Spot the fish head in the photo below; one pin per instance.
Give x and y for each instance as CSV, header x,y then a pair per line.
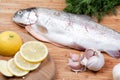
x,y
25,17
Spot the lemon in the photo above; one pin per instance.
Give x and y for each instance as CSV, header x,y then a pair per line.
x,y
12,67
23,64
10,43
4,69
34,51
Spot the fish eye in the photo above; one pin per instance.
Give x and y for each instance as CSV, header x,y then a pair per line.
x,y
19,12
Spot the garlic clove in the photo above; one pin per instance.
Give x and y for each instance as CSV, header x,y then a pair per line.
x,y
89,53
95,60
116,72
83,60
75,65
74,57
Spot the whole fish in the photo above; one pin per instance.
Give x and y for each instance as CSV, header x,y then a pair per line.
x,y
75,31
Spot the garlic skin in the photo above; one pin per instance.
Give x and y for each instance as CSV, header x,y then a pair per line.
x,y
116,72
75,63
95,59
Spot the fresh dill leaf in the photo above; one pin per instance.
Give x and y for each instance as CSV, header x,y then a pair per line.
x,y
97,8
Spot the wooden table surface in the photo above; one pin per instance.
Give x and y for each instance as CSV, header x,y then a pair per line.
x,y
60,55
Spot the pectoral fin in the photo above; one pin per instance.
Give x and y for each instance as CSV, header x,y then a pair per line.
x,y
37,33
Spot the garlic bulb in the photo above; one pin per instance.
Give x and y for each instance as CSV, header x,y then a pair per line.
x,y
95,59
74,62
116,72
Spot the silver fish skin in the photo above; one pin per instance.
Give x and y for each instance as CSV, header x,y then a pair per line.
x,y
75,31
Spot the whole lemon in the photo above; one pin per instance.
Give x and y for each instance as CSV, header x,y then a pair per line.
x,y
10,43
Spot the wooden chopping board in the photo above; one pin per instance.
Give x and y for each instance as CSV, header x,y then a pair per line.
x,y
46,71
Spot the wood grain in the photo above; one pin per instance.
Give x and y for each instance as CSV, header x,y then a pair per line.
x,y
46,71
60,55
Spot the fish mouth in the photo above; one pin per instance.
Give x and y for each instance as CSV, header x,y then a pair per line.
x,y
21,24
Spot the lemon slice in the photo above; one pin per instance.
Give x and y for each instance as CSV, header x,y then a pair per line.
x,y
4,69
34,51
23,64
12,67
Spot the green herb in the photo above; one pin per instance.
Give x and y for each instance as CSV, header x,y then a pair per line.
x,y
97,8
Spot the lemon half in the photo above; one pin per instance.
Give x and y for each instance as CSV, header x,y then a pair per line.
x,y
23,64
34,51
12,67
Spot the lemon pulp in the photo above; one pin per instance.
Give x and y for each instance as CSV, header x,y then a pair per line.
x,y
23,64
12,67
34,51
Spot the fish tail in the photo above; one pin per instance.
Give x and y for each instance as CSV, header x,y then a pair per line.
x,y
113,53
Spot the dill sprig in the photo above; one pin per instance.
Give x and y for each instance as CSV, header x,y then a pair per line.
x,y
96,8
